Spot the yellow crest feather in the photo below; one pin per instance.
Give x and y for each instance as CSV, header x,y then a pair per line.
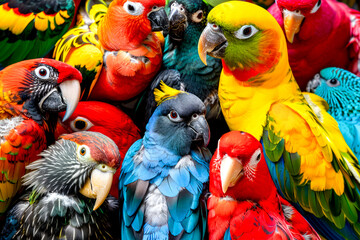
x,y
165,93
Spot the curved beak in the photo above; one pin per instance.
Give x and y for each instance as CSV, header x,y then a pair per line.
x,y
201,129
292,23
66,97
230,172
212,42
159,21
314,83
98,186
178,23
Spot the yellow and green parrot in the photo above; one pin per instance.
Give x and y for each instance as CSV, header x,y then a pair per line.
x,y
309,160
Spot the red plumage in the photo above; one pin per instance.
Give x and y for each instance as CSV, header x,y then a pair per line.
x,y
106,119
328,37
250,207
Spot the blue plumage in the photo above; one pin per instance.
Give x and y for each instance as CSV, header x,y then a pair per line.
x,y
341,90
163,175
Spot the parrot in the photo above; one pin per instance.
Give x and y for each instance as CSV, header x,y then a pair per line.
x,y
262,3
164,174
68,188
32,92
30,28
320,34
106,119
244,202
341,90
309,161
115,47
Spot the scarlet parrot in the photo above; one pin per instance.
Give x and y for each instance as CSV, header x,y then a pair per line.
x,y
163,175
115,47
29,29
244,202
320,34
68,186
309,161
32,92
106,119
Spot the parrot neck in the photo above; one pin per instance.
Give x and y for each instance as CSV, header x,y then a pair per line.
x,y
245,104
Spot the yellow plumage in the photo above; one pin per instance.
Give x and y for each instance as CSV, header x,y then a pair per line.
x,y
165,93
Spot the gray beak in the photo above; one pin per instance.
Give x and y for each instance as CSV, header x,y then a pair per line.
x,y
201,130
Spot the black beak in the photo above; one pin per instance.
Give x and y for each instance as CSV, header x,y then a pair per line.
x,y
212,42
178,24
53,102
159,21
201,129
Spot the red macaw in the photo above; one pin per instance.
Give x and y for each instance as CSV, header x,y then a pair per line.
x,y
244,203
115,47
32,92
104,118
320,34
30,29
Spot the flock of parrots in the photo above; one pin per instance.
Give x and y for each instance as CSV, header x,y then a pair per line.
x,y
107,108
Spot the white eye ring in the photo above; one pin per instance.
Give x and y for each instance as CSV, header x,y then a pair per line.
x,y
316,7
83,153
42,72
133,8
198,16
255,158
245,32
174,116
333,82
78,120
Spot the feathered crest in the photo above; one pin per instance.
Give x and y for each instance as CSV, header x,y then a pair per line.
x,y
165,93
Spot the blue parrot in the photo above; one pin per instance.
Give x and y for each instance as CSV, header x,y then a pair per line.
x,y
341,90
164,175
182,67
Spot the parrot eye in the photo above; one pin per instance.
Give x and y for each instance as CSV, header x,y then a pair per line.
x,y
245,32
255,158
155,7
174,116
80,124
197,16
214,26
333,83
316,7
83,152
133,8
42,72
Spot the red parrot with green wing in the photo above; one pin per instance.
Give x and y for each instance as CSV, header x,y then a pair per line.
x,y
32,93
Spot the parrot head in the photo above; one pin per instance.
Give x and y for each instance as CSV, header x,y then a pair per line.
x,y
295,12
82,162
179,121
186,17
238,168
338,87
128,23
42,86
246,37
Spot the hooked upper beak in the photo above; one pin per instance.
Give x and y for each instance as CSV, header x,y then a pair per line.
x,y
159,21
201,129
178,23
292,22
212,42
230,172
66,99
314,83
98,186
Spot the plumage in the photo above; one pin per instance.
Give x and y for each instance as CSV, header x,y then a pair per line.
x,y
309,161
320,33
58,204
340,90
163,175
32,92
106,119
115,47
32,27
244,203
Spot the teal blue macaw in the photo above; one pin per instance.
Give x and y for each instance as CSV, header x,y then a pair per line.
x,y
341,90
